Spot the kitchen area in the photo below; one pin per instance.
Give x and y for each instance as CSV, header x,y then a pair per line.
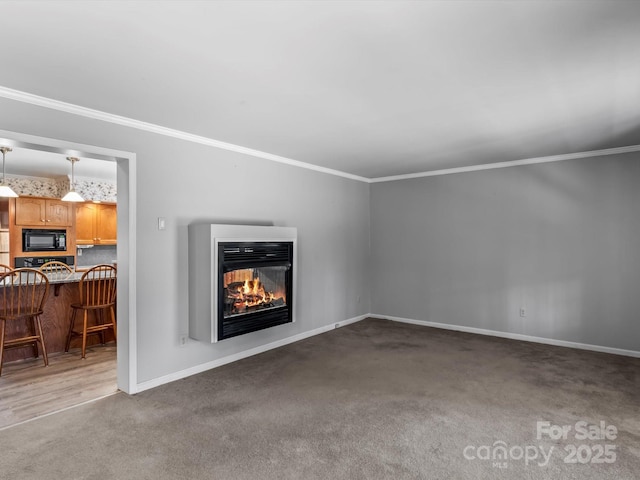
x,y
79,234
41,225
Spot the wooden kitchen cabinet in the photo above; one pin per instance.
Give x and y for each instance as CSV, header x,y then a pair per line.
x,y
43,212
96,224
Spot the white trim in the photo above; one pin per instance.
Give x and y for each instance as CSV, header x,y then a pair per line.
x,y
131,275
60,146
512,336
514,163
156,382
127,361
169,132
73,109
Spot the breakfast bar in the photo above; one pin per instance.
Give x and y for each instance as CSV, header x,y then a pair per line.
x,y
63,291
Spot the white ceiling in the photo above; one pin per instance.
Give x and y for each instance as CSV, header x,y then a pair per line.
x,y
36,163
369,88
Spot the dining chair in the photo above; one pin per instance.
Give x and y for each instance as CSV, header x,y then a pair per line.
x,y
23,292
97,288
56,270
5,268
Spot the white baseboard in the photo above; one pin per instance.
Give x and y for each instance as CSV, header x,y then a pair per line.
x,y
156,382
513,336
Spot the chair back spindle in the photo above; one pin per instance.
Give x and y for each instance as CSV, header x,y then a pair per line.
x,y
22,295
97,294
56,270
5,268
98,286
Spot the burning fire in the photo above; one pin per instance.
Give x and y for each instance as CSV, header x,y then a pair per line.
x,y
244,292
253,293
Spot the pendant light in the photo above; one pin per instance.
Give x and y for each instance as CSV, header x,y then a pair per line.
x,y
5,190
72,196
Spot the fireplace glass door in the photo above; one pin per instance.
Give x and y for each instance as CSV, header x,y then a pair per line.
x,y
255,286
254,289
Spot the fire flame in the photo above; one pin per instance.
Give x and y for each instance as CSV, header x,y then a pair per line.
x,y
254,293
251,294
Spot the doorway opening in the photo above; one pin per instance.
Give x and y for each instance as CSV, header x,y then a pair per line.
x,y
116,366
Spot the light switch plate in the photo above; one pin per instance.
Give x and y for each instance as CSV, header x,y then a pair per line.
x,y
161,223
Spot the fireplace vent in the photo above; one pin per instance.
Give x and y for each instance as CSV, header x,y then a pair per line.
x,y
251,253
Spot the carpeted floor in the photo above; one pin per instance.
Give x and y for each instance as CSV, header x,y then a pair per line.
x,y
376,399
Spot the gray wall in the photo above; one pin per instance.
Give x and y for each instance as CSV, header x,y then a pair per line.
x,y
561,239
213,185
467,249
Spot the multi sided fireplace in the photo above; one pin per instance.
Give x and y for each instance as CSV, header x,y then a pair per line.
x,y
241,279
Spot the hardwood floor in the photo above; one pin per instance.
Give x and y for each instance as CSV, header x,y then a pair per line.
x,y
29,390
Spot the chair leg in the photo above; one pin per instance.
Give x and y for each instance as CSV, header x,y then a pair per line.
x,y
72,320
113,322
31,324
100,321
2,325
41,334
85,317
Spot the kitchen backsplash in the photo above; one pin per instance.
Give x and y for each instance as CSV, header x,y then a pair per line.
x,y
96,255
48,187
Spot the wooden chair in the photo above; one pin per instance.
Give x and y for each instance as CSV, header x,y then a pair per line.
x,y
98,295
5,268
23,292
56,270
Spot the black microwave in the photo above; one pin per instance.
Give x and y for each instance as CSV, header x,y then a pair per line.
x,y
40,240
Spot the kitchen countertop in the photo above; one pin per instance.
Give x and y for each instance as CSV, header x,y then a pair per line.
x,y
84,268
64,278
57,278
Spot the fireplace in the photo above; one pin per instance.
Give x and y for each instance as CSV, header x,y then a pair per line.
x,y
254,286
242,279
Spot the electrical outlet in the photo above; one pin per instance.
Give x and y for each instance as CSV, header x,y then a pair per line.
x,y
337,325
183,340
523,312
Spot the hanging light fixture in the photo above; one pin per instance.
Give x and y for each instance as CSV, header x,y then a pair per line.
x,y
72,196
5,190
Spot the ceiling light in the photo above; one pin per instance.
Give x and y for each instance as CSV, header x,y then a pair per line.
x,y
72,196
5,190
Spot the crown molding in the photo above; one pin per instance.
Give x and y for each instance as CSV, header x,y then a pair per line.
x,y
71,108
514,163
45,102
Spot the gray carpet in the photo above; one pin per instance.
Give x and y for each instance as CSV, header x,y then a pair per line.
x,y
376,399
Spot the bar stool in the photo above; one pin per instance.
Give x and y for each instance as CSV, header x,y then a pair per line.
x,y
56,270
98,295
22,295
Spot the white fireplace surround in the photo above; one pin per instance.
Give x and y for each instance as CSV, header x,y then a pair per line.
x,y
203,269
